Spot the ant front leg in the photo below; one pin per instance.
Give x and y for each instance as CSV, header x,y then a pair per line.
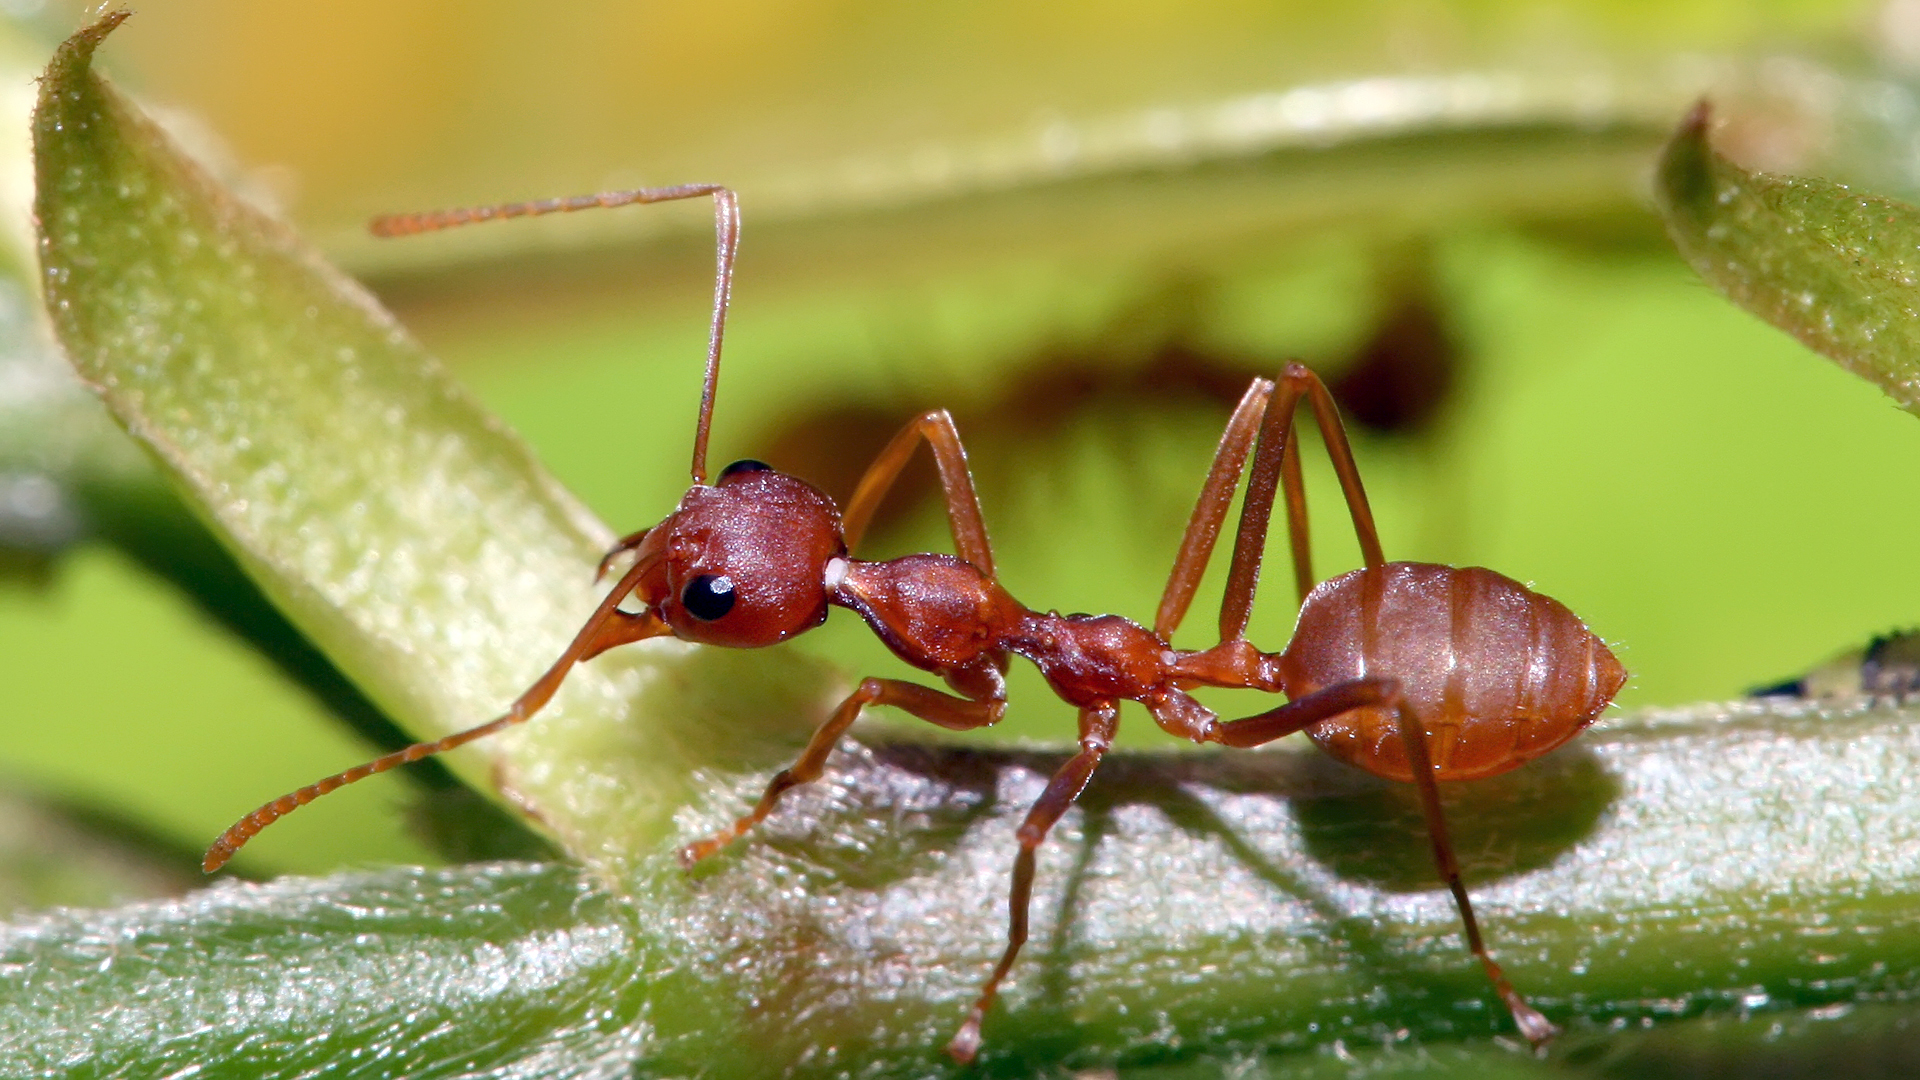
x,y
1097,725
1331,701
629,542
944,710
950,458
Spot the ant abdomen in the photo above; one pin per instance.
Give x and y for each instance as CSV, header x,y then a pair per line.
x,y
1498,674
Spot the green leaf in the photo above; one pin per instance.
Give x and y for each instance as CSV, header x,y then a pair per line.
x,y
1757,864
1838,269
402,529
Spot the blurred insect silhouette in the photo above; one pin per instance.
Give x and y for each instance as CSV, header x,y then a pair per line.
x,y
1397,380
1885,672
1413,671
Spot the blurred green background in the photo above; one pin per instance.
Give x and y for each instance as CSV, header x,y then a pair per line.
x,y
1082,228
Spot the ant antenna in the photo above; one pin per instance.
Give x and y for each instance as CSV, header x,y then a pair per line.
x,y
726,229
606,619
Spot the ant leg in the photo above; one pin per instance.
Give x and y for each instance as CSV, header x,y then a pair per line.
x,y
1385,693
1271,421
963,506
1276,437
1334,434
627,543
1298,537
1537,1029
945,710
1097,725
1210,511
1301,713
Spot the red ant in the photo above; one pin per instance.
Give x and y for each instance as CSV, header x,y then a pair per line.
x,y
1413,671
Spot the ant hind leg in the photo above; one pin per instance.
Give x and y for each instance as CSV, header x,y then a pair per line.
x,y
1331,701
1537,1029
1276,462
1210,510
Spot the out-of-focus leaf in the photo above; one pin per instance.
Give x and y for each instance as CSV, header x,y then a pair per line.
x,y
1834,267
1262,167
875,105
408,535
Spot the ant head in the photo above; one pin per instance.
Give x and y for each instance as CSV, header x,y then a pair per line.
x,y
742,562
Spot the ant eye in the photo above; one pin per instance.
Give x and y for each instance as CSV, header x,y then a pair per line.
x,y
708,597
745,465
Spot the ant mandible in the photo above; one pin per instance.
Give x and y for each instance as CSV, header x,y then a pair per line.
x,y
1412,671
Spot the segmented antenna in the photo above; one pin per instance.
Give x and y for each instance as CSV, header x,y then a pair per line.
x,y
726,228
523,708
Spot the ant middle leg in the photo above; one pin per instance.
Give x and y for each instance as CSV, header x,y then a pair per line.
x,y
1097,725
1263,424
1210,510
1276,461
944,710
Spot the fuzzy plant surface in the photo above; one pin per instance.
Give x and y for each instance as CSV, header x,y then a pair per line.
x,y
1833,266
1690,891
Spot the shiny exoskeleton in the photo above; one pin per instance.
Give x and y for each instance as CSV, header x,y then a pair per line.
x,y
1413,671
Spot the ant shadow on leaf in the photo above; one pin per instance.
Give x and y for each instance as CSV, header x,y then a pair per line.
x,y
1360,826
893,815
